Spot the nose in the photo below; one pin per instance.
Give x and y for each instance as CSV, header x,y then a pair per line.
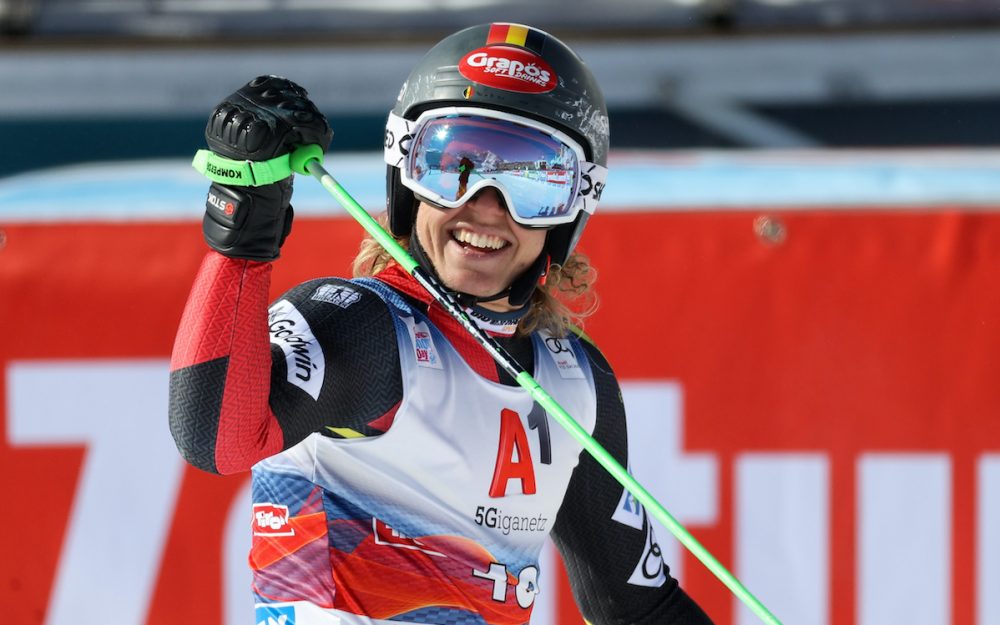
x,y
488,200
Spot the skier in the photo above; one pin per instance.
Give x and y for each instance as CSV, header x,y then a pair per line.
x,y
399,474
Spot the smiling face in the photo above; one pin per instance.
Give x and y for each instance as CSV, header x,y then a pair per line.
x,y
478,248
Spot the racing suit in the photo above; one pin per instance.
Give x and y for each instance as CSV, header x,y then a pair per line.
x,y
400,475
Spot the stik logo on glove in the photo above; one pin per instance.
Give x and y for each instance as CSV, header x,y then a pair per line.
x,y
225,205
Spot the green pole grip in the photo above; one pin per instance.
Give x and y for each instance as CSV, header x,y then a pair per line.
x,y
300,158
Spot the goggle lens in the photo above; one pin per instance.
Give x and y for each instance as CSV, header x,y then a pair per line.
x,y
539,173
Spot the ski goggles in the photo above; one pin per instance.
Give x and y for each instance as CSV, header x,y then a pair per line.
x,y
449,154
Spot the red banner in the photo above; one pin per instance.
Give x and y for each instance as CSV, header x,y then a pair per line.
x,y
832,434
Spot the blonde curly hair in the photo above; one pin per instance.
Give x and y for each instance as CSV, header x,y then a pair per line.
x,y
559,305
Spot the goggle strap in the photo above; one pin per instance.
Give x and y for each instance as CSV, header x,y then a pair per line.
x,y
398,136
593,178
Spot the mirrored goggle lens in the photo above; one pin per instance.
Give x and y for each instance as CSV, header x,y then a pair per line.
x,y
449,156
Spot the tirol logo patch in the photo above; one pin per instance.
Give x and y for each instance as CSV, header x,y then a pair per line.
x,y
271,519
508,68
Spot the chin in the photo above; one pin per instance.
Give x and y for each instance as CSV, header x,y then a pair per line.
x,y
480,292
472,286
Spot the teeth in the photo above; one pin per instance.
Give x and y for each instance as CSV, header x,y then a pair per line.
x,y
482,241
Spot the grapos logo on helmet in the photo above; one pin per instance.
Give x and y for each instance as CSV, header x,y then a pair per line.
x,y
511,69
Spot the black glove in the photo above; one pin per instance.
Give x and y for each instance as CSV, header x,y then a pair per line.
x,y
268,117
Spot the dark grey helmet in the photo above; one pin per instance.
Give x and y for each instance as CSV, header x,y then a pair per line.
x,y
560,91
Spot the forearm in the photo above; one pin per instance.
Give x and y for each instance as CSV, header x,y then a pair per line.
x,y
220,369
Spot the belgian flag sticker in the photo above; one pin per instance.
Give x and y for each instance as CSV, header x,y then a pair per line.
x,y
510,61
517,35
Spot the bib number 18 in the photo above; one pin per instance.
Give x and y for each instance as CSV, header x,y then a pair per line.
x,y
525,589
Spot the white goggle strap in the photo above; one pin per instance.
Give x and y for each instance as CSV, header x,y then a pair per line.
x,y
593,177
398,137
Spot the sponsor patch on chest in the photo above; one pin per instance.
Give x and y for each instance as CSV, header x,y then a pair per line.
x,y
423,344
562,354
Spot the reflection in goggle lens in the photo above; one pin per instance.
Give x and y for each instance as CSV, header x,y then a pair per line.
x,y
538,172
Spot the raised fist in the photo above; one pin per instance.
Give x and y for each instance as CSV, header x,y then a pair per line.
x,y
267,117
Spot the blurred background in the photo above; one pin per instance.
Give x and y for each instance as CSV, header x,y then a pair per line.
x,y
798,248
86,78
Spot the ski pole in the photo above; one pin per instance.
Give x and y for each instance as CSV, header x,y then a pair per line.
x,y
309,163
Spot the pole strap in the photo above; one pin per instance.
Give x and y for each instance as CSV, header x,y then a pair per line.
x,y
254,173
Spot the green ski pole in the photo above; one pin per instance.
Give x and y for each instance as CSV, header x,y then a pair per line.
x,y
307,161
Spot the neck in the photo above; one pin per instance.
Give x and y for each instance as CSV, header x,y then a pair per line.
x,y
499,321
499,306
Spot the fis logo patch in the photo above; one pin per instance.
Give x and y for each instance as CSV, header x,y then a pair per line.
x,y
337,294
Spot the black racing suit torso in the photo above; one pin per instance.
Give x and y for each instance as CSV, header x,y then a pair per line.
x,y
399,475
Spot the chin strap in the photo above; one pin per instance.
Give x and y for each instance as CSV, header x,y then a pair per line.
x,y
518,293
526,283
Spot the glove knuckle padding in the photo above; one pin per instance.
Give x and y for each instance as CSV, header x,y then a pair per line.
x,y
268,117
